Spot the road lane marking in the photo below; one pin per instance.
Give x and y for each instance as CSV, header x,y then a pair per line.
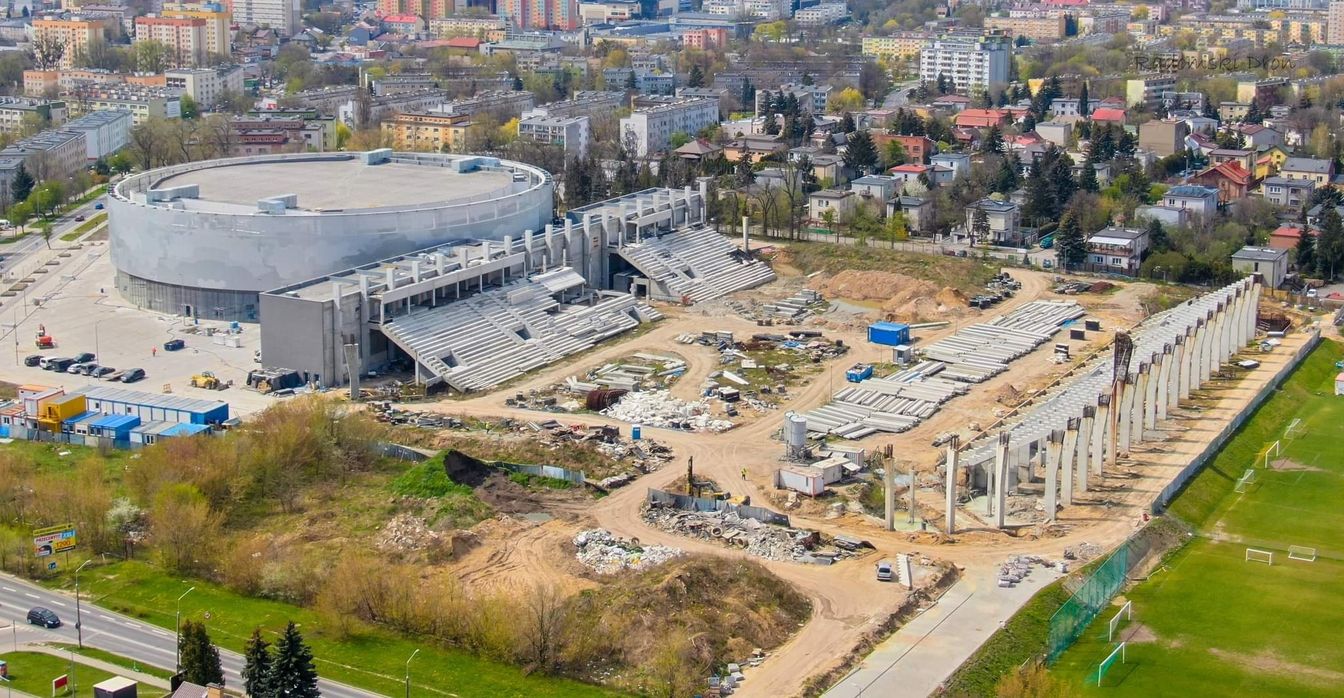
x,y
8,589
31,596
105,617
57,603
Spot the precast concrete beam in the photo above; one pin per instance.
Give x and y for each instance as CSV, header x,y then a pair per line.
x,y
950,524
1001,466
1069,461
1054,450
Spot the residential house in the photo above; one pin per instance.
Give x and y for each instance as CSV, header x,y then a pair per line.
x,y
1108,115
757,148
910,172
1056,132
1260,137
918,212
1320,172
1269,161
1233,111
1231,179
1115,250
1164,137
875,187
917,148
959,163
1285,237
1200,201
1267,263
1065,106
1103,170
698,150
832,203
941,175
1171,217
1201,124
1004,219
829,168
1245,158
1282,191
982,118
952,103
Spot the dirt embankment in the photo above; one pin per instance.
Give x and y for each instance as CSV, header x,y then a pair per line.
x,y
903,298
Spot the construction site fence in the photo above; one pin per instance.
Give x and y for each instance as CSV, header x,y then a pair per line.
x,y
400,452
553,472
1096,592
15,431
688,503
1183,478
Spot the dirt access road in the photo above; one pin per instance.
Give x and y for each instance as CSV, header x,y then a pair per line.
x,y
847,600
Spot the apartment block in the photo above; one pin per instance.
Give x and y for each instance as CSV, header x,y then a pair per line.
x,y
75,34
825,13
569,133
490,28
17,112
503,103
1163,138
280,15
898,46
651,128
973,63
143,103
427,131
1037,27
105,132
38,83
185,38
1148,90
1335,23
540,14
55,154
218,38
206,85
589,103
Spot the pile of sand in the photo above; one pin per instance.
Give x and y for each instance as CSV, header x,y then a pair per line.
x,y
904,298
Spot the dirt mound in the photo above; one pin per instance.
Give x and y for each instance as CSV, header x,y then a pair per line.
x,y
1286,464
721,608
904,298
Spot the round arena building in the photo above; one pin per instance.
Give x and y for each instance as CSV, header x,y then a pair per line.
x,y
203,239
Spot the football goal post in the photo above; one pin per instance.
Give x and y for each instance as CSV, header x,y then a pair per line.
x,y
1301,552
1271,452
1126,612
1118,654
1265,556
1294,427
1246,480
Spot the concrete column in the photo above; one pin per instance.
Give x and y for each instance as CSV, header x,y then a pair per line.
x,y
1125,420
950,525
1069,462
1230,328
1253,312
1177,368
1188,365
1088,445
1243,307
889,490
1141,402
1054,450
1197,361
1100,433
1161,394
1208,363
1001,466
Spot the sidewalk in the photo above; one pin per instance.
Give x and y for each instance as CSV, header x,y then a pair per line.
x,y
143,678
914,661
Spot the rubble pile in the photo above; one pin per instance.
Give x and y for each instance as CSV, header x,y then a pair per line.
x,y
406,533
756,538
385,412
657,408
1018,567
605,553
1083,552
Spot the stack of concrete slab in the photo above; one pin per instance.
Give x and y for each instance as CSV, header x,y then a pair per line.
x,y
483,340
893,404
694,264
982,351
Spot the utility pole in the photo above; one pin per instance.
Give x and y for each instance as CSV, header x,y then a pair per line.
x,y
177,651
690,476
79,624
408,672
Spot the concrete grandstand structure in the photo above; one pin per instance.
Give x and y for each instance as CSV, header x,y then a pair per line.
x,y
473,314
204,239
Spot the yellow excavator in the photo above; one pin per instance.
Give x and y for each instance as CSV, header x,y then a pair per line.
x,y
207,380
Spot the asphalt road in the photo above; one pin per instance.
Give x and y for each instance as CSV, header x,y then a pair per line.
x,y
110,631
14,253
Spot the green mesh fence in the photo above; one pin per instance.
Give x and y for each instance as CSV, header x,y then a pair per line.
x,y
1074,616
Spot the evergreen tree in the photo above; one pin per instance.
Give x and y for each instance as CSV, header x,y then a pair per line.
x,y
1028,123
806,127
1070,245
743,172
1253,115
1330,244
987,99
1209,111
748,95
1305,252
199,658
257,662
1061,181
806,175
517,83
22,185
1157,236
1009,174
292,674
980,231
1126,146
847,123
1088,180
993,142
696,78
861,155
1084,106
942,84
771,125
630,80
1040,205
807,79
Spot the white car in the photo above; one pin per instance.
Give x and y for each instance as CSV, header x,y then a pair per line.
x,y
1311,293
885,572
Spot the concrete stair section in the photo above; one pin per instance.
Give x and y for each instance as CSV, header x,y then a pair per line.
x,y
696,264
478,342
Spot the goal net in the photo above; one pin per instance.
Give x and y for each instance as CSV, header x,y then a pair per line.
x,y
1265,556
1126,612
1116,655
1246,480
1301,552
1293,430
1271,452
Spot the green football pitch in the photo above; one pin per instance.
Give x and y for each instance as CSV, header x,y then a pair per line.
x,y
1211,623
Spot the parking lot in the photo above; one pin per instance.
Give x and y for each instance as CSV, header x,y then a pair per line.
x,y
76,304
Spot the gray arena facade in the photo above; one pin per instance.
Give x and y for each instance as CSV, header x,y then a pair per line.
x,y
205,239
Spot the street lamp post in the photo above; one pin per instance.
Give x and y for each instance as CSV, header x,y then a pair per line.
x,y
177,651
79,625
408,672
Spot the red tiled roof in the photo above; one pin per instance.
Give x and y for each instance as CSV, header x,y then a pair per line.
x,y
1231,170
401,19
1287,231
1108,114
916,169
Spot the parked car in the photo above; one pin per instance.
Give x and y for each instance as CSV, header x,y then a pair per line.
x,y
884,572
59,365
81,369
32,360
43,617
173,345
84,357
100,371
133,375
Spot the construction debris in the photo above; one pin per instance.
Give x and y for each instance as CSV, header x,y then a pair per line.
x,y
755,537
406,533
1083,552
605,553
657,408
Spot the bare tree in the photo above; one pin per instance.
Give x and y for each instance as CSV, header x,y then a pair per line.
x,y
47,51
542,626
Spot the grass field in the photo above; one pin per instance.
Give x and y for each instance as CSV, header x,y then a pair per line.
x,y
1209,623
374,660
32,672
